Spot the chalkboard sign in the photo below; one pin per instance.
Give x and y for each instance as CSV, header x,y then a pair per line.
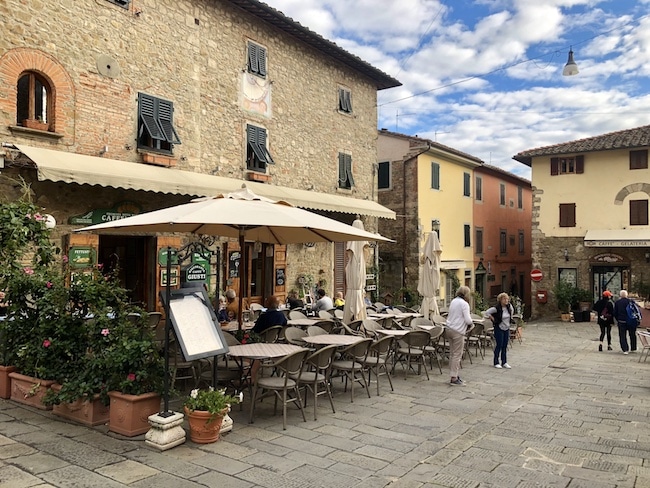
x,y
234,260
279,277
195,323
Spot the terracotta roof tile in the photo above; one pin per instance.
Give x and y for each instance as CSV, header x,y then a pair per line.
x,y
622,139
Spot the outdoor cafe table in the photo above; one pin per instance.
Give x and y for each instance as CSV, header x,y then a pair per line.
x,y
234,326
332,340
393,332
262,350
308,322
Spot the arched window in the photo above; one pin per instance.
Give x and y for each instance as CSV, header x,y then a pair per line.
x,y
34,99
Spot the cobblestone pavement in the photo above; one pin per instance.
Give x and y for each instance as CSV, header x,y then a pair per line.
x,y
565,415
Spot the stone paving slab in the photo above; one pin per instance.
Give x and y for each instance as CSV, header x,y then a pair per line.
x,y
563,417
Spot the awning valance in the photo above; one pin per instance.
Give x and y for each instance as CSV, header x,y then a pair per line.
x,y
455,264
92,170
618,238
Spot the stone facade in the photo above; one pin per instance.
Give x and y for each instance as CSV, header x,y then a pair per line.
x,y
99,57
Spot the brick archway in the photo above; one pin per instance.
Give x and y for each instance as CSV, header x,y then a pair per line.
x,y
15,62
629,189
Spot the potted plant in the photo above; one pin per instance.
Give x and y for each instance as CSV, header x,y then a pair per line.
x,y
205,410
564,293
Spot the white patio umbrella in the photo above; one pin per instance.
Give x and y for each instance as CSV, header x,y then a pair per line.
x,y
429,278
244,215
355,278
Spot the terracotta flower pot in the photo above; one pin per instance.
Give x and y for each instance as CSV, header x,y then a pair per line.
x,y
129,414
202,430
5,381
29,391
84,412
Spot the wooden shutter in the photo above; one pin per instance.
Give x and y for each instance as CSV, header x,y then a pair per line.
x,y
479,241
149,116
567,214
261,56
555,163
466,184
339,267
639,159
638,212
348,170
580,164
435,176
165,118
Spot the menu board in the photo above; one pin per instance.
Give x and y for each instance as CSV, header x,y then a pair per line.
x,y
195,323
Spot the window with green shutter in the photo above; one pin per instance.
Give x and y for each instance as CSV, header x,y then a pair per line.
x,y
156,124
345,100
257,154
346,180
256,59
435,176
466,184
383,175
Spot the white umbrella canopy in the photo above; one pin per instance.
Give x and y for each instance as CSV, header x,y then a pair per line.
x,y
244,215
241,214
429,278
355,278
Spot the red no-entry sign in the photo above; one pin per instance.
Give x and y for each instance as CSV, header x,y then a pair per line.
x,y
536,275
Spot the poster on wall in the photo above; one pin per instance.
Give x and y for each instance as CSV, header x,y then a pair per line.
x,y
234,260
570,275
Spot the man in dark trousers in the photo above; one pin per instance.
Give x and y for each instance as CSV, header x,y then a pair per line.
x,y
620,314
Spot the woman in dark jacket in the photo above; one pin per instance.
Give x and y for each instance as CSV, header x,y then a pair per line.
x,y
605,310
271,317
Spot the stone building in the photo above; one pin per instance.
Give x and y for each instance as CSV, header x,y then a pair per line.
x,y
109,108
429,186
590,215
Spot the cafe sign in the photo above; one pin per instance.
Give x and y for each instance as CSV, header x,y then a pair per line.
x,y
100,215
196,272
81,257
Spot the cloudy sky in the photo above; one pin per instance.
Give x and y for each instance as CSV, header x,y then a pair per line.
x,y
485,76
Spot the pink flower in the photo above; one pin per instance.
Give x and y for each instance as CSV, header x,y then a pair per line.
x,y
47,343
105,332
48,284
28,271
38,217
131,377
65,258
100,266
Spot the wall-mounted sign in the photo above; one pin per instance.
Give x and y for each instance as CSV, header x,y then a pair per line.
x,y
81,257
570,275
234,260
99,215
279,277
536,275
607,258
162,256
371,287
174,277
196,272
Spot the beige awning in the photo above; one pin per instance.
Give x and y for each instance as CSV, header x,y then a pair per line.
x,y
618,238
455,264
92,170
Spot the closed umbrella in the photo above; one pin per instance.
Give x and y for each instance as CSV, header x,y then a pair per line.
x,y
355,278
429,278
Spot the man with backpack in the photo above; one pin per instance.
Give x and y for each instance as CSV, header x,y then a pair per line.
x,y
628,316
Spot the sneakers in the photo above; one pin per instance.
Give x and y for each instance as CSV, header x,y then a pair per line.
x,y
609,348
457,382
625,352
507,366
600,347
498,366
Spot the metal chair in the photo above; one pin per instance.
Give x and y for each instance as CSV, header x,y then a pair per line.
x,y
411,350
433,348
316,374
271,334
281,386
327,325
294,335
644,341
378,358
296,315
324,314
352,365
314,330
370,327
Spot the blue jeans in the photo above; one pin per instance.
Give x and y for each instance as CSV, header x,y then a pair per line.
x,y
623,330
501,337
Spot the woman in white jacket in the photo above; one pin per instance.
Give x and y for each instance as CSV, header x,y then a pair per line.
x,y
458,319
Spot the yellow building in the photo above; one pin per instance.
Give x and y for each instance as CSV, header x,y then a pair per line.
x,y
590,217
430,187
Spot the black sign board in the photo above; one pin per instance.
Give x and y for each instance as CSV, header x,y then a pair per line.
x,y
195,323
280,279
234,259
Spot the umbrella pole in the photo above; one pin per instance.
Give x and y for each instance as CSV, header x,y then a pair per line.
x,y
168,295
243,263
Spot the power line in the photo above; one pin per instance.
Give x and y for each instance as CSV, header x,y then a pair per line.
x,y
503,68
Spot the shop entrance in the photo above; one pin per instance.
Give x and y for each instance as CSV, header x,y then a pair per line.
x,y
612,278
128,256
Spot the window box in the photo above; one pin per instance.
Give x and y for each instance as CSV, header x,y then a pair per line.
x,y
35,124
261,177
158,160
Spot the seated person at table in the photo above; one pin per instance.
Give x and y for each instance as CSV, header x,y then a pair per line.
x,y
323,303
271,317
339,301
222,314
293,301
232,305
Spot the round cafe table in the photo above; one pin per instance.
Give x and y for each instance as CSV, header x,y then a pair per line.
x,y
332,339
262,350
